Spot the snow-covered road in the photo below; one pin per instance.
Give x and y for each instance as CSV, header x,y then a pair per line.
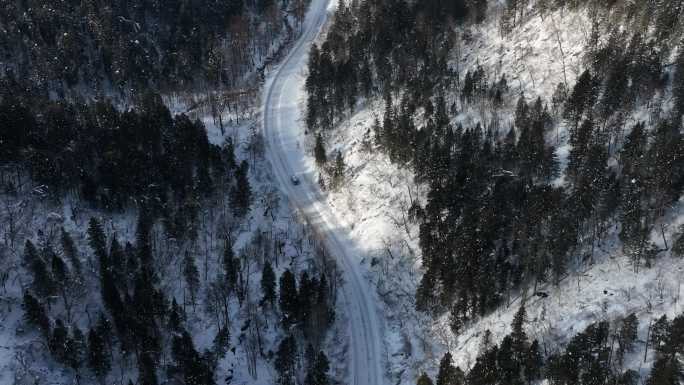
x,y
284,131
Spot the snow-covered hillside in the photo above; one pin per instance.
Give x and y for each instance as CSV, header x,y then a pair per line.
x,y
254,334
544,50
445,181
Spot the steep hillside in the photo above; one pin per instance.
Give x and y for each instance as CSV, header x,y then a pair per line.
x,y
113,283
470,193
143,238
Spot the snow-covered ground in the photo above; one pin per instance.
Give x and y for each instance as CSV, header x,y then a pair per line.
x,y
373,202
607,291
545,50
23,355
22,352
365,226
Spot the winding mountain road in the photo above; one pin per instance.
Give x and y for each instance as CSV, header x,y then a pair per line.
x,y
283,129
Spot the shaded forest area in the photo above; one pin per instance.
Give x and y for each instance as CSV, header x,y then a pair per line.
x,y
105,46
111,158
84,131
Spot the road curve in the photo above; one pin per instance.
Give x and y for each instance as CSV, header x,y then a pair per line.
x,y
282,129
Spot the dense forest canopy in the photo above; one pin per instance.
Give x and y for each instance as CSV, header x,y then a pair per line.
x,y
104,46
112,157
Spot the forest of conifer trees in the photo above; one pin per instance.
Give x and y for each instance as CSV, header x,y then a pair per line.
x,y
503,212
144,240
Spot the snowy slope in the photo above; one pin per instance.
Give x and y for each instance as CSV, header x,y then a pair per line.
x,y
545,50
23,355
535,57
376,194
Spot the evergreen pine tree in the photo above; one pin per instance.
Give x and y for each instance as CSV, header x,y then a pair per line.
x,y
75,349
634,227
289,298
424,379
508,366
581,98
665,161
666,371
310,357
425,294
30,253
97,239
324,309
629,377
480,8
58,341
676,340
318,373
145,259
286,357
660,335
221,342
70,251
98,357
616,89
627,335
241,193
111,296
590,182
189,364
678,243
580,140
147,374
522,114
560,94
484,372
448,374
319,151
228,154
64,282
104,330
518,334
35,314
268,284
231,267
533,363
117,260
338,170
60,271
176,316
306,297
191,274
43,284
